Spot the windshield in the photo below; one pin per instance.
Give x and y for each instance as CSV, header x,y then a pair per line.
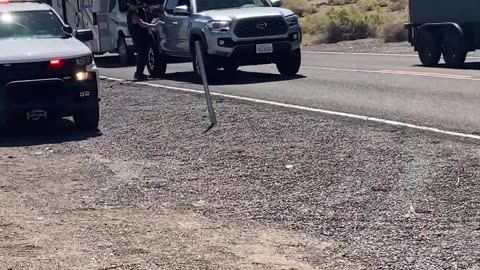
x,y
30,24
203,5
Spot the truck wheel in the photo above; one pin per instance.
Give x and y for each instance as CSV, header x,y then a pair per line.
x,y
453,48
290,64
210,68
127,56
230,69
157,63
4,124
87,118
429,50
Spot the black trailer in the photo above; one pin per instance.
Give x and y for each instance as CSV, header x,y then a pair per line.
x,y
444,27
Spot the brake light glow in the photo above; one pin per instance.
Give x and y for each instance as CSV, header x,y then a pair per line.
x,y
55,63
4,1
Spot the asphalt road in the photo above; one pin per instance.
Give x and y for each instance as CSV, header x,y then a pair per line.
x,y
391,87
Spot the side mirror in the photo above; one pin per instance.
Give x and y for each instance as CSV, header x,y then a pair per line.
x,y
277,3
67,29
181,10
84,35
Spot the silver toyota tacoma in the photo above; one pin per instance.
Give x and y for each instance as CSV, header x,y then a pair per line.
x,y
232,33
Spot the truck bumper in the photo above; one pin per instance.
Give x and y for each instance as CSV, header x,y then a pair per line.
x,y
243,51
46,98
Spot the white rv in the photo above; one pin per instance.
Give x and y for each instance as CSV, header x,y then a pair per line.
x,y
106,18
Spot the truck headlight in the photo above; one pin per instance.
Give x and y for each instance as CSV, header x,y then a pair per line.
x,y
82,76
219,26
84,60
292,20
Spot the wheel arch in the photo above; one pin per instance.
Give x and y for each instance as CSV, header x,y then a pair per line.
x,y
437,28
441,26
196,35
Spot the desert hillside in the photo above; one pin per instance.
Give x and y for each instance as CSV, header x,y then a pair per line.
x,y
331,21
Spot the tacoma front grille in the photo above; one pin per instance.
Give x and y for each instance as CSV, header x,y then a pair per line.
x,y
260,27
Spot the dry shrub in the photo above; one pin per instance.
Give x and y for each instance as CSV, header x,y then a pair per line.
x,y
349,23
370,5
394,30
299,7
341,2
398,5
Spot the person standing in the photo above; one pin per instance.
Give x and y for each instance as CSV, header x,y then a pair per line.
x,y
138,28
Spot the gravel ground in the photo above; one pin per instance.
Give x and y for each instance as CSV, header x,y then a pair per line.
x,y
370,45
268,188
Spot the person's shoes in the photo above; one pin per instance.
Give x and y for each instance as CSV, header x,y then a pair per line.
x,y
140,77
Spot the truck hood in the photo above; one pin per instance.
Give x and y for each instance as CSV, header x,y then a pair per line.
x,y
240,13
36,50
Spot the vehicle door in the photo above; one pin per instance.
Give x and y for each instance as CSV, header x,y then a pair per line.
x,y
117,22
176,28
96,19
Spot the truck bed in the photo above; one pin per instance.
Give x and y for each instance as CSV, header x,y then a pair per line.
x,y
435,11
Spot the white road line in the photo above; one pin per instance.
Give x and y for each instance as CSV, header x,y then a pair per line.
x,y
371,54
400,72
310,109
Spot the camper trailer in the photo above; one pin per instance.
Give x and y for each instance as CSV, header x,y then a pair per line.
x,y
106,18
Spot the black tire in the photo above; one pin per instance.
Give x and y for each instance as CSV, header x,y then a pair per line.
x,y
428,47
230,68
157,63
210,66
290,64
87,118
4,125
126,55
453,48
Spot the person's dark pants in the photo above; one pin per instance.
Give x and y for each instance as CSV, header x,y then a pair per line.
x,y
140,42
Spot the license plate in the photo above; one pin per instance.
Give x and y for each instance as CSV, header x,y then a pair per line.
x,y
264,48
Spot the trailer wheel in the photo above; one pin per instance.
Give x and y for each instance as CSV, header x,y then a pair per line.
x,y
453,48
127,56
429,50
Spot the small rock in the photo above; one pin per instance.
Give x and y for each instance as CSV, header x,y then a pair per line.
x,y
199,203
289,167
39,153
10,157
410,260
